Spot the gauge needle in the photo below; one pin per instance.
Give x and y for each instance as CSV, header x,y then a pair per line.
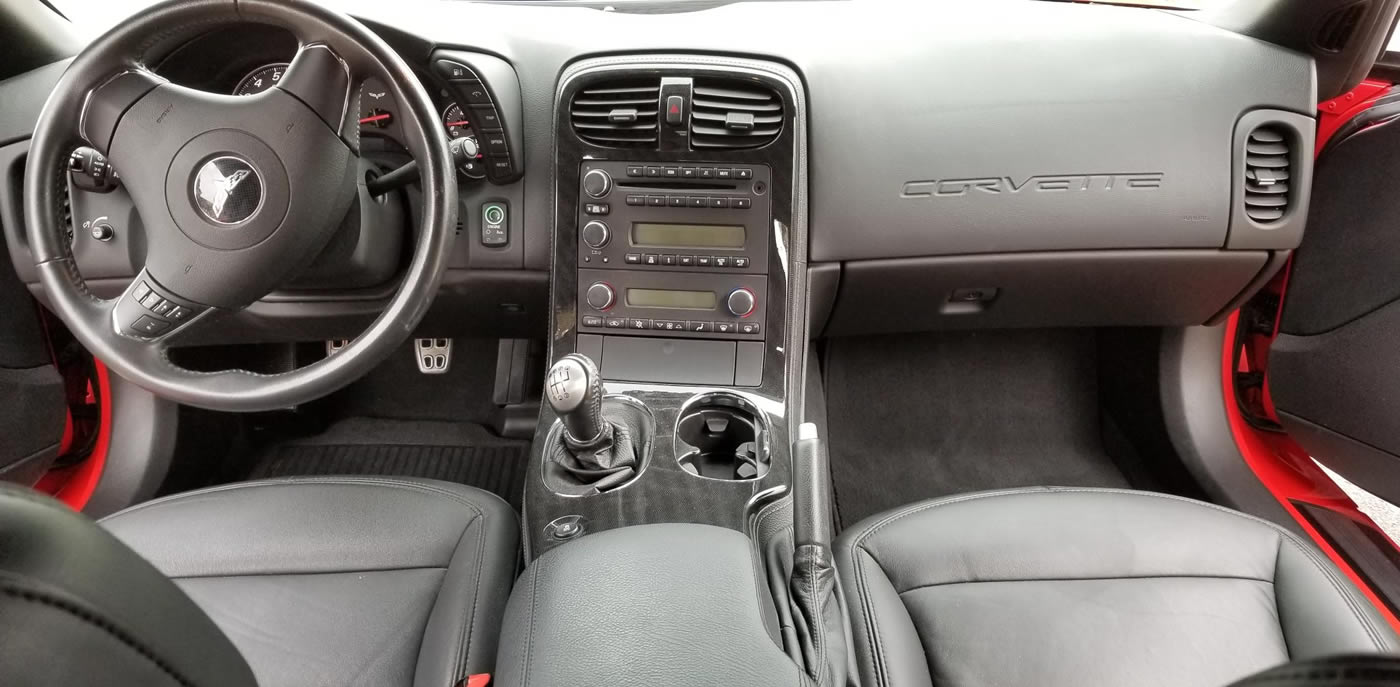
x,y
375,118
458,123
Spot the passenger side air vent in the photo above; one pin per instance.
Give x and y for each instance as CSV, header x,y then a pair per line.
x,y
1339,26
618,113
1266,174
729,113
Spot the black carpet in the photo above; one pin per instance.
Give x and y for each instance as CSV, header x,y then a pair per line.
x,y
452,452
921,416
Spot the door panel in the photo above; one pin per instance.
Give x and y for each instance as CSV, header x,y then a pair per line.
x,y
1334,369
32,404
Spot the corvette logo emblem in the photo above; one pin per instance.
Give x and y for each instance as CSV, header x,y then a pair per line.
x,y
227,190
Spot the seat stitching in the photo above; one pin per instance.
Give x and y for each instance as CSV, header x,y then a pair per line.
x,y
1326,570
1097,578
349,481
530,628
465,650
109,628
872,634
296,573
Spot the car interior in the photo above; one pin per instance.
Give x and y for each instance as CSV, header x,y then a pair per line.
x,y
450,343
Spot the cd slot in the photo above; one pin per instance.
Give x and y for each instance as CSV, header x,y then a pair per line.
x,y
674,185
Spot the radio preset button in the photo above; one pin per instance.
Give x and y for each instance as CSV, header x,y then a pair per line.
x,y
668,260
651,259
743,173
596,234
699,326
652,171
632,258
687,260
698,202
597,183
676,201
741,263
615,322
724,173
741,302
741,203
719,203
634,170
592,321
600,296
656,201
636,200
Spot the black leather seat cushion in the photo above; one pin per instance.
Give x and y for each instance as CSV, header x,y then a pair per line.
x,y
1081,587
340,581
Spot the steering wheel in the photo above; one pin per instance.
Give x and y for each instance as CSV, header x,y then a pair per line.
x,y
237,193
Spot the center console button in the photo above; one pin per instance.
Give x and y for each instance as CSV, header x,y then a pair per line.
x,y
743,173
634,170
671,172
687,260
615,322
656,201
600,296
635,323
724,327
651,259
687,172
707,172
652,171
703,261
719,203
592,321
721,261
636,200
748,328
632,258
668,260
741,263
740,203
724,173
699,326
698,201
596,234
668,325
675,201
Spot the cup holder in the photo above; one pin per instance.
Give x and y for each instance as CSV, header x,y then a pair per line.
x,y
721,437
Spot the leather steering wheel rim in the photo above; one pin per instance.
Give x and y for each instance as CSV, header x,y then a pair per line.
x,y
110,76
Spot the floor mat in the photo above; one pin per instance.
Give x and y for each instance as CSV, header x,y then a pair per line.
x,y
921,416
452,452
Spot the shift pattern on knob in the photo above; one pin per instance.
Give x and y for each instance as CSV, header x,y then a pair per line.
x,y
575,391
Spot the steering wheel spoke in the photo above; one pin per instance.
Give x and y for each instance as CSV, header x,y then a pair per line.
x,y
148,311
104,106
320,79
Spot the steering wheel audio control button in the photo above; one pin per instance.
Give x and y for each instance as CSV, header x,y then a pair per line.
x,y
149,326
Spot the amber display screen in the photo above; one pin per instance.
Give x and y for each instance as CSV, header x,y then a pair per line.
x,y
668,298
665,235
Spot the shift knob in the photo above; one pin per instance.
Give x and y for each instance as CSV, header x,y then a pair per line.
x,y
575,391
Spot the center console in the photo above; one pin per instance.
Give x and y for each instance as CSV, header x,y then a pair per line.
x,y
679,272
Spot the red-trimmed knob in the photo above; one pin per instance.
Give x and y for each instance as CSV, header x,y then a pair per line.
x,y
741,302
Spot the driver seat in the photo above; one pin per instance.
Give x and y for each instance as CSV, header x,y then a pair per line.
x,y
307,582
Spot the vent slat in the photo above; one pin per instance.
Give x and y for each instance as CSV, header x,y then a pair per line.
x,y
622,113
732,113
1268,158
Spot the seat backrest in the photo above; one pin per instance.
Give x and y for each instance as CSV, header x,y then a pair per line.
x,y
79,607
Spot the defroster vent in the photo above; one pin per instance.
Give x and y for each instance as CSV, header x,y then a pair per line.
x,y
1266,174
619,113
731,113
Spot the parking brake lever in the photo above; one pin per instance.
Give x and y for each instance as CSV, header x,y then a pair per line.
x,y
822,626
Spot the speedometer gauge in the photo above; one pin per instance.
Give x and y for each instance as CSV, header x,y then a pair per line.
x,y
261,79
455,120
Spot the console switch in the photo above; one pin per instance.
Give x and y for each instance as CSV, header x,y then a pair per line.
x,y
675,109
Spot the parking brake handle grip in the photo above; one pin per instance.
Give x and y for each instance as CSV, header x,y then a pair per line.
x,y
811,497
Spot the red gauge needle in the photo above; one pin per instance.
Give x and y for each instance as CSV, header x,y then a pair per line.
x,y
461,123
375,118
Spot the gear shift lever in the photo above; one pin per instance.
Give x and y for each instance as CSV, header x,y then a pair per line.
x,y
595,451
575,390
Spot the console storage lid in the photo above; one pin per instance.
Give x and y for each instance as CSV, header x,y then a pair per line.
x,y
671,604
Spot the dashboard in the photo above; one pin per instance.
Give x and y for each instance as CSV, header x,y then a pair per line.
x,y
937,165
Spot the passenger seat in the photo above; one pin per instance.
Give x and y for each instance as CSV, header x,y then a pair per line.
x,y
1080,587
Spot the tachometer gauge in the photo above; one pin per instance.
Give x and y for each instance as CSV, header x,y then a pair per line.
x,y
261,79
455,120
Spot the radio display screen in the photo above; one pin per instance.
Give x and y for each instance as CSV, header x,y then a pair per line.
x,y
663,235
666,298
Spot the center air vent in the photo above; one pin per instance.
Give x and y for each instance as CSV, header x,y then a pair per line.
x,y
1266,167
729,113
618,113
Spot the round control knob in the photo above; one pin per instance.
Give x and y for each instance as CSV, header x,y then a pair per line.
x,y
597,183
740,302
103,231
596,234
600,296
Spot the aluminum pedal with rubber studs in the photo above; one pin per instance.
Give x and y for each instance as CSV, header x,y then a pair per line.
x,y
434,356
